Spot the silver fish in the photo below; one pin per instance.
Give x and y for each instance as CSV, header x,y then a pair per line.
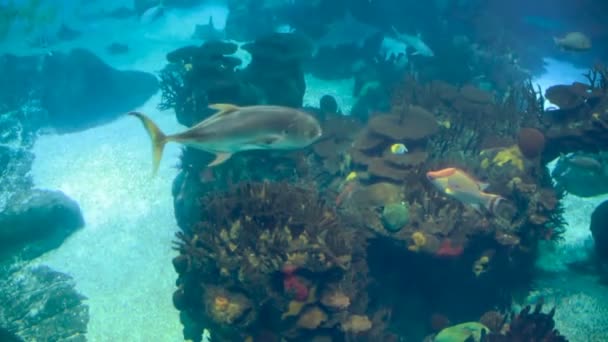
x,y
153,13
415,42
234,129
573,41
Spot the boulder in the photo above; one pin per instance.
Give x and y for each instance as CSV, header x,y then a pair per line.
x,y
36,221
40,304
599,229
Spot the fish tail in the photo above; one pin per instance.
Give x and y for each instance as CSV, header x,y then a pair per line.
x,y
159,139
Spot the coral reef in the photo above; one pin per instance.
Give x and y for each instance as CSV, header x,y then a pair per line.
x,y
198,76
255,257
580,124
530,324
370,186
270,255
462,133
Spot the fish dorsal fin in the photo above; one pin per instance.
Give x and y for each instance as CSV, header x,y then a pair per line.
x,y
220,157
224,108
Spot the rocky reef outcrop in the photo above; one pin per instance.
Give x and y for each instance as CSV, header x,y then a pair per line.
x,y
39,304
197,76
271,259
36,221
580,121
32,221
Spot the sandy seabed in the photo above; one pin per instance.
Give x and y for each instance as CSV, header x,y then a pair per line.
x,y
121,259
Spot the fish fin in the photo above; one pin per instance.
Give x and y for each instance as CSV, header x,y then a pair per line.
x,y
267,140
483,185
476,207
224,108
449,191
220,158
159,139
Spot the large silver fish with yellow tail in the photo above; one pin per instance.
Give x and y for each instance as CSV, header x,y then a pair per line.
x,y
234,129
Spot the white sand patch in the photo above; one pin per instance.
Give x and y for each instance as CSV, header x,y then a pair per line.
x,y
121,260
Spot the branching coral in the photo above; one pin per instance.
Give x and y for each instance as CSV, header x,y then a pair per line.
x,y
199,75
531,324
268,247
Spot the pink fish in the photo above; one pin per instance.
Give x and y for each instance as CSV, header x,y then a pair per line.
x,y
458,184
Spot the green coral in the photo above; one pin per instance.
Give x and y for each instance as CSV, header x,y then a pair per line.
x,y
461,332
395,216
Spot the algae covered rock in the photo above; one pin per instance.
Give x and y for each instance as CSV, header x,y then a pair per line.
x,y
41,304
37,221
395,216
461,332
599,229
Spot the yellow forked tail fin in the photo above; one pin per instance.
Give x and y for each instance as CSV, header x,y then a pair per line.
x,y
159,139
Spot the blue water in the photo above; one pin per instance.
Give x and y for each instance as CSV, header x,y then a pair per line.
x,y
84,146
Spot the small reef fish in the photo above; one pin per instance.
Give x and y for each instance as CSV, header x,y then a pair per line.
x,y
398,149
458,184
415,42
153,13
584,162
234,129
573,41
351,176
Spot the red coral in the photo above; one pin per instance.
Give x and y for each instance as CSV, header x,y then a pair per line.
x,y
293,285
447,249
531,142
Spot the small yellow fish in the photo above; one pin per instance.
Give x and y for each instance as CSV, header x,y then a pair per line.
x,y
352,175
398,149
458,184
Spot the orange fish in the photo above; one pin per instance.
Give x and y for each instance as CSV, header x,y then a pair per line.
x,y
459,185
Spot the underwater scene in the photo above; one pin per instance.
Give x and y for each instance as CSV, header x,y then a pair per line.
x,y
303,170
